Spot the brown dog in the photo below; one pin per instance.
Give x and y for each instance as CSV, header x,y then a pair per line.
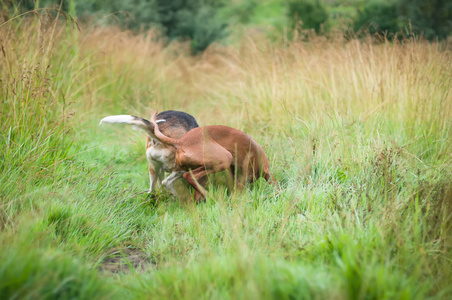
x,y
212,149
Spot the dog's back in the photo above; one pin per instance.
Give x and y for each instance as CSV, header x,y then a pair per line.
x,y
247,154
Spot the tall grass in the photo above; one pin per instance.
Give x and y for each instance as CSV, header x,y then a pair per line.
x,y
33,106
358,134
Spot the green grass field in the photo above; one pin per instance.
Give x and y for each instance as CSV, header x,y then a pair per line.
x,y
358,134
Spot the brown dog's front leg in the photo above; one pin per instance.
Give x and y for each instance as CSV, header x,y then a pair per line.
x,y
211,158
197,179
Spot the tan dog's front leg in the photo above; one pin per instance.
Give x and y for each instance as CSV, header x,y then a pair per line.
x,y
155,176
169,182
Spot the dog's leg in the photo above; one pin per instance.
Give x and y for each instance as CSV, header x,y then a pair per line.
x,y
236,178
209,156
264,171
168,183
197,178
193,178
155,174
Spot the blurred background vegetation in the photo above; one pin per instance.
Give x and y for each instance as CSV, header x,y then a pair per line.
x,y
203,22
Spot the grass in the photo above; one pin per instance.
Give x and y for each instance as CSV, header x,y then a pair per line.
x,y
358,135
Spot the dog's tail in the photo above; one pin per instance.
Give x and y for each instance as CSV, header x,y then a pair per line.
x,y
136,122
159,135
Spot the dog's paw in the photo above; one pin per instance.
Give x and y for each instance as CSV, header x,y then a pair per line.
x,y
151,194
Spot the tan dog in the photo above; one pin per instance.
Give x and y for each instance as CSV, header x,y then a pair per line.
x,y
212,149
161,157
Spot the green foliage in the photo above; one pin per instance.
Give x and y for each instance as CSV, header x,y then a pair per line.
x,y
311,13
204,22
191,19
379,17
242,11
431,19
195,20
